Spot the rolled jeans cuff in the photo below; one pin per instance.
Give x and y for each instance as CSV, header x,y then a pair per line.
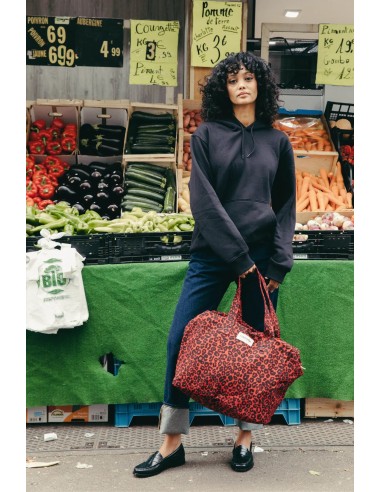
x,y
247,426
173,420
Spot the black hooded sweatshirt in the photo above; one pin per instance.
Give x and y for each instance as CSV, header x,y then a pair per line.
x,y
242,192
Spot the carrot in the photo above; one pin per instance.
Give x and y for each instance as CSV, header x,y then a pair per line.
x,y
299,181
324,175
335,190
305,185
349,199
317,185
335,200
339,174
343,194
302,205
313,199
321,201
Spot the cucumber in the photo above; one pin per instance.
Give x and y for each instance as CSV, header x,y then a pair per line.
x,y
146,179
145,193
169,200
131,183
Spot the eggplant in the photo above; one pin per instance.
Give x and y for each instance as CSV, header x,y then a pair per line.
x,y
88,199
85,187
113,210
79,170
102,186
66,194
99,166
96,176
102,197
96,207
87,131
81,209
118,191
110,131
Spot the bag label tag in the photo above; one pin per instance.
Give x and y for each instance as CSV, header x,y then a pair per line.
x,y
245,338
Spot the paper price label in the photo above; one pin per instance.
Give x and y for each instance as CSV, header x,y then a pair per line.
x,y
217,28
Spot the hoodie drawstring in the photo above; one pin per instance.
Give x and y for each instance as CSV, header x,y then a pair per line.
x,y
243,140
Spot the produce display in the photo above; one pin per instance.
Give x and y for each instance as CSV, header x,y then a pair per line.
x,y
191,120
325,192
150,133
101,140
97,187
329,221
62,217
58,138
149,187
305,133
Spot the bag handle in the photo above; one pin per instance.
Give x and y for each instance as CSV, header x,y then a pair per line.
x,y
271,322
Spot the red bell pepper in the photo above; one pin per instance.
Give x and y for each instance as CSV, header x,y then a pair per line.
x,y
58,123
46,135
68,144
41,179
31,190
44,203
46,191
37,147
53,148
56,170
38,125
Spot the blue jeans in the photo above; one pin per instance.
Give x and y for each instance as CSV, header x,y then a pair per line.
x,y
206,281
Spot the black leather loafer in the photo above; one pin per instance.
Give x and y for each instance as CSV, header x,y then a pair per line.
x,y
156,463
242,459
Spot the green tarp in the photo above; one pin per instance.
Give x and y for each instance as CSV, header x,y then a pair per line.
x,y
131,308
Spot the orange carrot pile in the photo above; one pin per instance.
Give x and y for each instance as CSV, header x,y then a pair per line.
x,y
322,193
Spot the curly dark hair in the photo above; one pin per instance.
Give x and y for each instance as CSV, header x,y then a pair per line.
x,y
215,99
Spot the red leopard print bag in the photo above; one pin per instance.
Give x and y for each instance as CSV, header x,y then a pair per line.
x,y
230,368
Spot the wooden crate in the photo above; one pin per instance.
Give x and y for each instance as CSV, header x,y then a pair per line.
x,y
77,103
154,109
107,103
326,407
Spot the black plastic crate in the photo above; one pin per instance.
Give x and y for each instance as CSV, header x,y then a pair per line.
x,y
336,110
94,247
323,245
150,246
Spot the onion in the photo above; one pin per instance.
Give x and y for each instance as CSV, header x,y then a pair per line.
x,y
318,219
332,228
338,220
348,225
298,227
324,226
328,216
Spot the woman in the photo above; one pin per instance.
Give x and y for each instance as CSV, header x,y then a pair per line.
x,y
242,190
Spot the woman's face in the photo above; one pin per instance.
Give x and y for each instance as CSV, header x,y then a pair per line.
x,y
242,87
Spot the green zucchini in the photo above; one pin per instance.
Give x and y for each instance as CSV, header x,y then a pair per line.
x,y
135,175
155,140
156,129
130,197
152,174
145,193
148,167
169,200
132,183
171,180
152,149
143,117
130,204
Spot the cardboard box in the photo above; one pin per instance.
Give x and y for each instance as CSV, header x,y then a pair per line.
x,y
36,415
78,413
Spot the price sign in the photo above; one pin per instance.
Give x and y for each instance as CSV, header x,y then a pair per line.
x,y
153,54
99,42
217,30
335,63
50,41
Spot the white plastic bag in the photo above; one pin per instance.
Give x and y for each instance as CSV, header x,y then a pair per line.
x,y
55,295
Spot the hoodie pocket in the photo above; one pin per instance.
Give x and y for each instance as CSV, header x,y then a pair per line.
x,y
253,219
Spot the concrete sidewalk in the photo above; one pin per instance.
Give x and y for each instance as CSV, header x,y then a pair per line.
x,y
314,456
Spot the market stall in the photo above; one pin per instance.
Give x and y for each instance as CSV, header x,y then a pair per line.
x,y
131,307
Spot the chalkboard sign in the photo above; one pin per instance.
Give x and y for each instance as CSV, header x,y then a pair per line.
x,y
335,63
50,41
74,41
99,42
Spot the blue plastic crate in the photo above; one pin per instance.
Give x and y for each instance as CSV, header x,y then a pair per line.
x,y
290,409
125,412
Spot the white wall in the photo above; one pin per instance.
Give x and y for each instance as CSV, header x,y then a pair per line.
x,y
312,12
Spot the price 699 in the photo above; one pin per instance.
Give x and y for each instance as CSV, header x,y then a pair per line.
x,y
61,56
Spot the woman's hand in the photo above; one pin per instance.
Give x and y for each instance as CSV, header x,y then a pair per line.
x,y
272,285
250,270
